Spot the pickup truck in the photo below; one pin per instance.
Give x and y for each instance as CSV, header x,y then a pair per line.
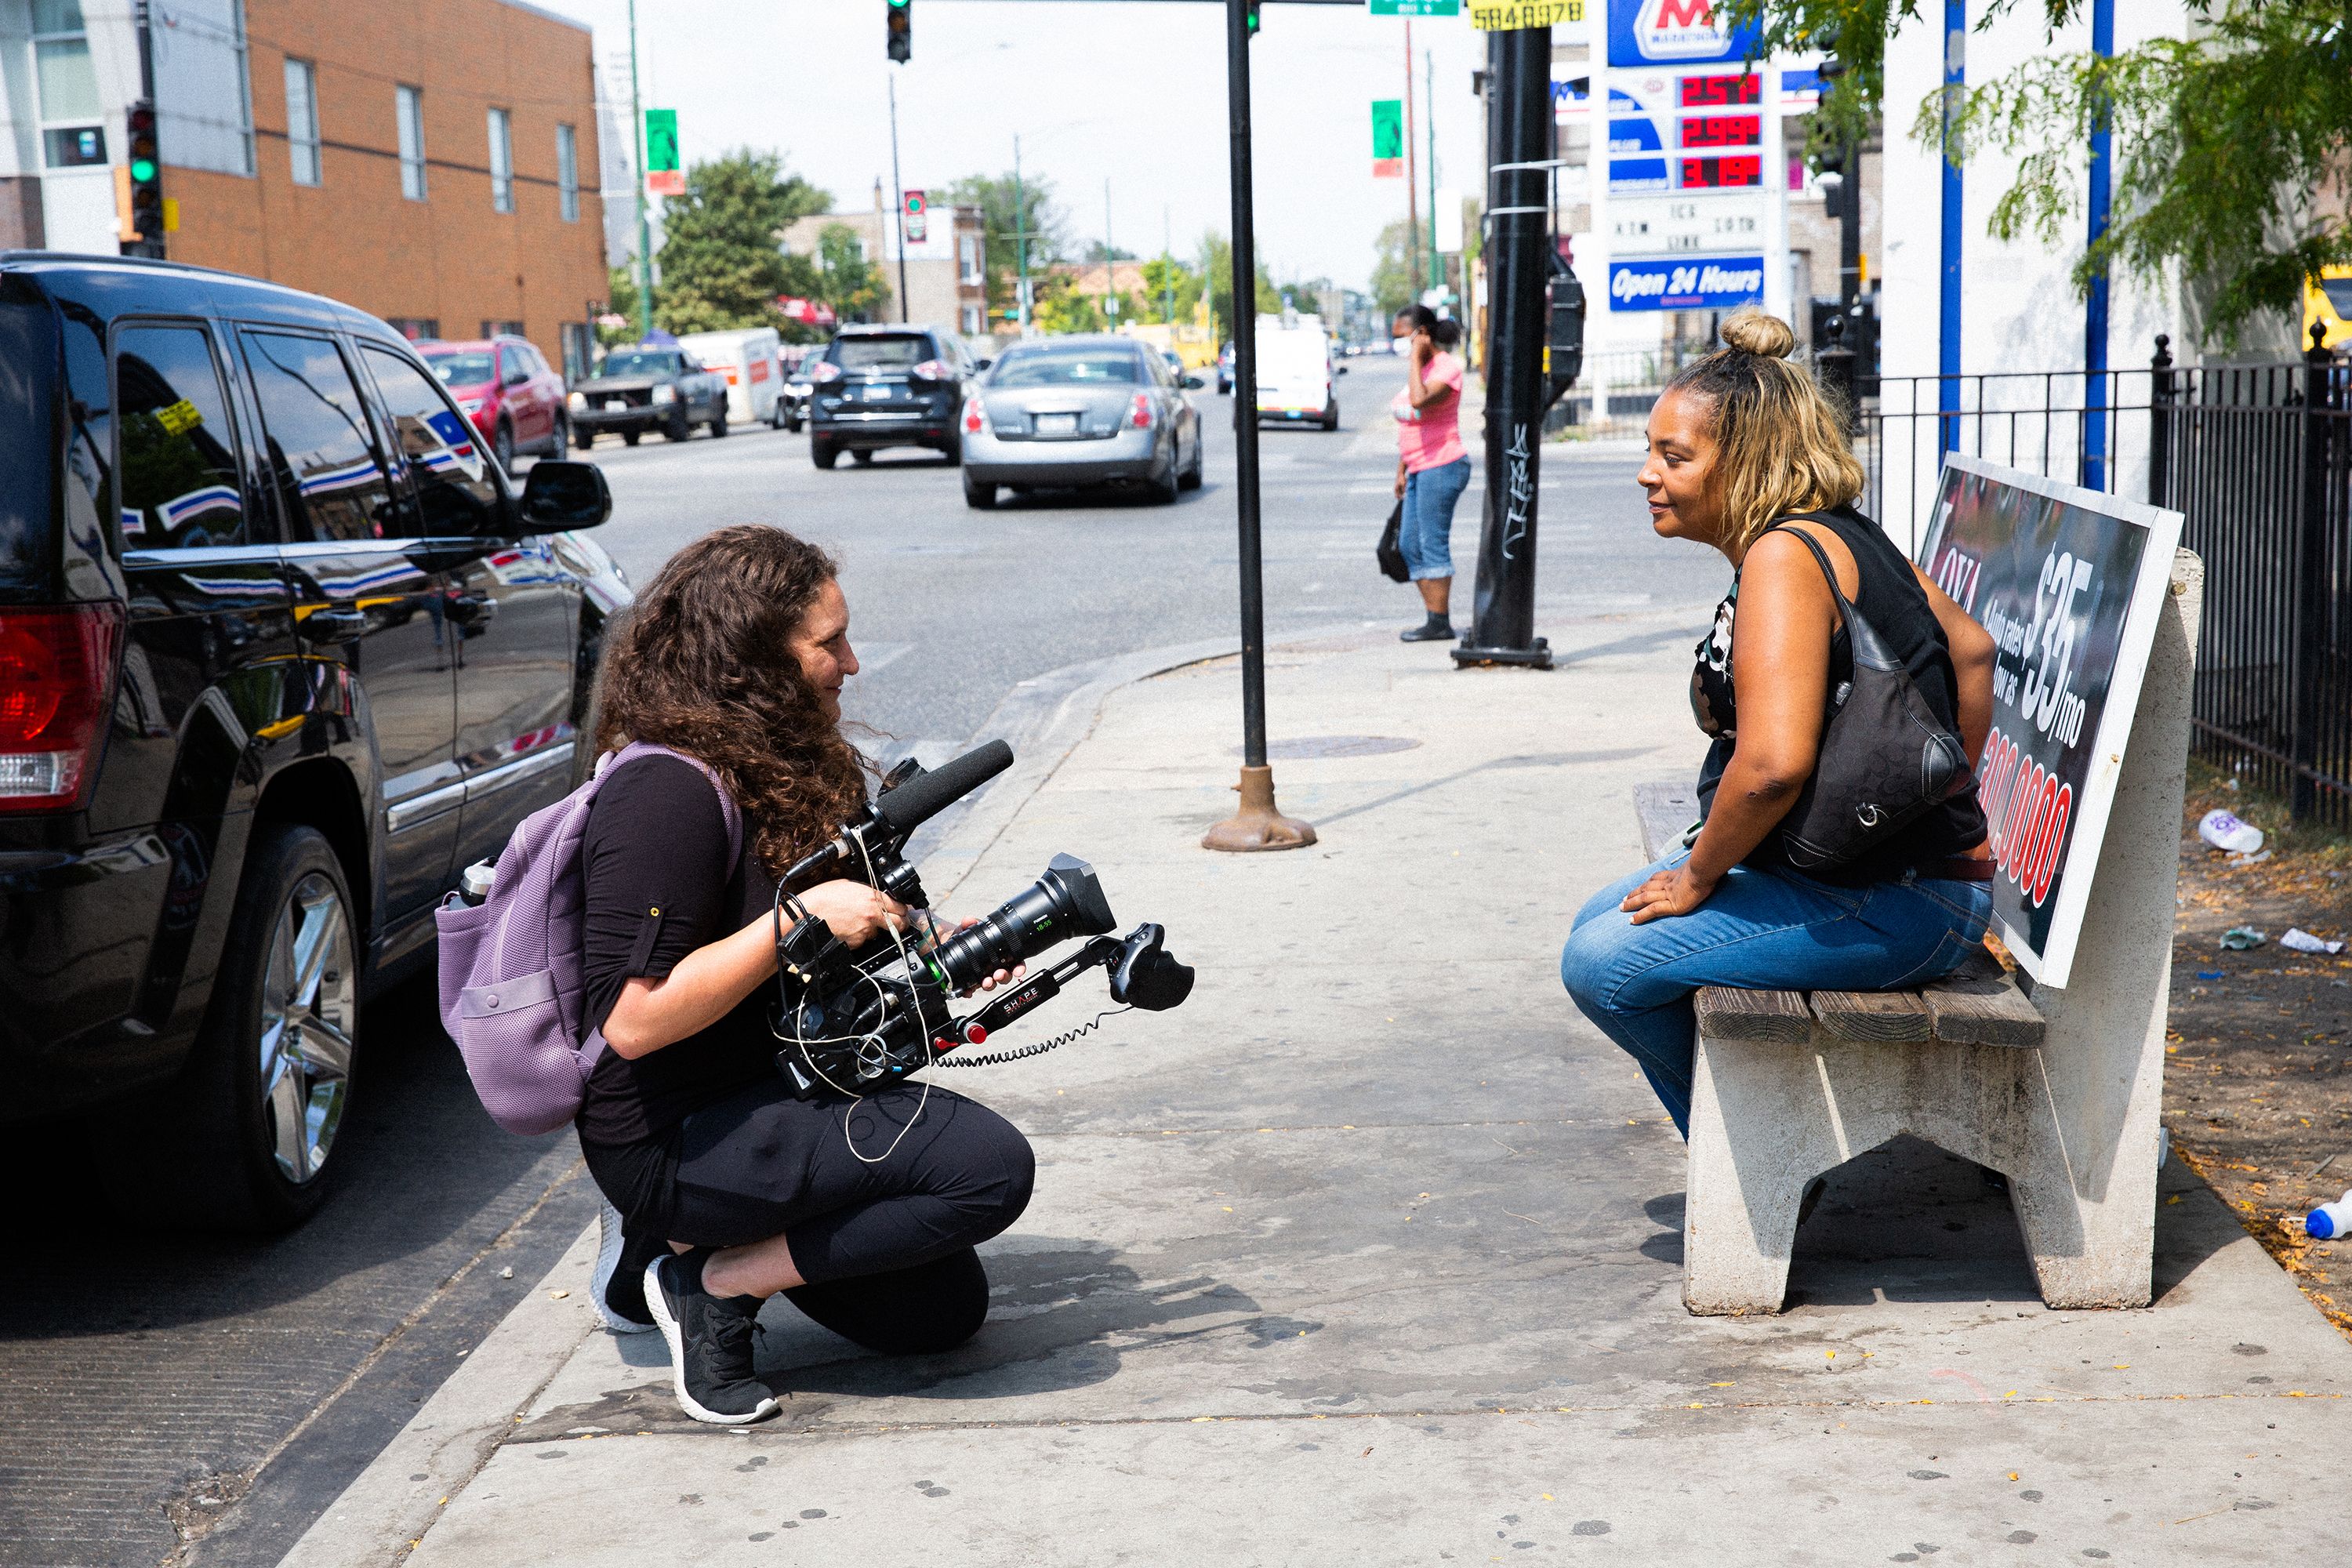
x,y
640,389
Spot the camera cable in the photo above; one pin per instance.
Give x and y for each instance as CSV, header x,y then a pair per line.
x,y
998,1059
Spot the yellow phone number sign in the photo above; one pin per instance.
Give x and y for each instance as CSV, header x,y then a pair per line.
x,y
1503,15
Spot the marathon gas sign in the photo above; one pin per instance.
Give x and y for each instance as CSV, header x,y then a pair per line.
x,y
1676,32
1695,283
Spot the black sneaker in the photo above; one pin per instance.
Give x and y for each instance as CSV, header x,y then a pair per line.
x,y
618,1286
1430,630
709,1342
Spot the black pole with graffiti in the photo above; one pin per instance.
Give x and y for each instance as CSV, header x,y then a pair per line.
x,y
1520,157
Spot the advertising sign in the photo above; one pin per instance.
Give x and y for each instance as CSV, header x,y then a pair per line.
x,y
1686,130
2069,583
1388,139
1683,224
663,176
1674,32
1717,283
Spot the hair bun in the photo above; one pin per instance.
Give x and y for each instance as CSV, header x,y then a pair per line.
x,y
1750,331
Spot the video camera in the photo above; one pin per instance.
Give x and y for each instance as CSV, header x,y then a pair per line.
x,y
855,1022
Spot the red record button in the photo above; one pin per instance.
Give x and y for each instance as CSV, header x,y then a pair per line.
x,y
974,1034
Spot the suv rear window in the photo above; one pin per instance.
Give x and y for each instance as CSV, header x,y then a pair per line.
x,y
892,352
178,450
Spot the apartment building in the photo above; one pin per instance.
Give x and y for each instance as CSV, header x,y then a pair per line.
x,y
434,163
946,281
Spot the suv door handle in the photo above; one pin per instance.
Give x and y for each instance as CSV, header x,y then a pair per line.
x,y
331,627
470,609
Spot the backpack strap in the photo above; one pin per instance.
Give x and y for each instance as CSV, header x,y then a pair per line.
x,y
727,809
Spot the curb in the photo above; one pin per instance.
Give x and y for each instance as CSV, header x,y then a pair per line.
x,y
391,1504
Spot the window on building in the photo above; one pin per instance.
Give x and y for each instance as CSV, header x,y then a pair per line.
x,y
200,84
968,255
975,321
502,161
501,329
178,449
302,119
68,86
321,453
410,102
415,329
579,352
567,173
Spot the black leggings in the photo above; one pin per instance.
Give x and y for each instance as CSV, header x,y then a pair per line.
x,y
760,1163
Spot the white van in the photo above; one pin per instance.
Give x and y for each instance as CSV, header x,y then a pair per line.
x,y
752,360
1297,381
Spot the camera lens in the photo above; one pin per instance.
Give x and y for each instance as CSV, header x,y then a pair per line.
x,y
1065,903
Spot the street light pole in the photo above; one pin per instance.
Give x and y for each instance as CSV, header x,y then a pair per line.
x,y
1429,124
1021,240
898,196
1258,824
645,229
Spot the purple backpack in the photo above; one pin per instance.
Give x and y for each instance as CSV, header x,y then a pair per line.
x,y
513,967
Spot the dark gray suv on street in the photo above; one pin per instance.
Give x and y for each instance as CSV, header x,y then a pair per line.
x,y
877,387
281,648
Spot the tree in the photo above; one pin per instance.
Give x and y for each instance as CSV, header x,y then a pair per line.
x,y
722,260
1393,281
1040,222
621,289
854,286
1217,268
2229,145
1164,277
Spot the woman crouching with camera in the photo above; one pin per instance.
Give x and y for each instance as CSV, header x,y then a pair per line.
x,y
1747,458
862,1212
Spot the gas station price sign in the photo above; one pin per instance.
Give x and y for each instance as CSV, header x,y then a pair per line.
x,y
1709,132
1722,174
1722,91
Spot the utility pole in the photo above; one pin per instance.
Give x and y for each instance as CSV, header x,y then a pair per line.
x,y
898,195
1429,122
1168,264
1020,240
1111,283
1412,175
1258,824
1519,156
644,229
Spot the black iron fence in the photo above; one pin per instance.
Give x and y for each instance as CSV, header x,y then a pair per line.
x,y
2257,458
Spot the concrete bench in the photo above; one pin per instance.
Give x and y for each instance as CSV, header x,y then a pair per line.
x,y
2060,1090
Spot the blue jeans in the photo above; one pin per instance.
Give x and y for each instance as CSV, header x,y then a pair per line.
x,y
1425,532
1760,930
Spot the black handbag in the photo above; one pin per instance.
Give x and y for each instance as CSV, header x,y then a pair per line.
x,y
1885,759
1391,555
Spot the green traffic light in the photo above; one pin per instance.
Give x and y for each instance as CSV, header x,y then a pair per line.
x,y
142,170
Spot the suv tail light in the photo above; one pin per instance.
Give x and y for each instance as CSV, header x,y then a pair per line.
x,y
935,370
975,416
1139,416
56,665
825,370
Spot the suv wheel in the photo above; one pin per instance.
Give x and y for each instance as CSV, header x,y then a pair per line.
x,y
244,1141
631,437
677,430
503,447
863,457
718,423
581,439
953,451
822,452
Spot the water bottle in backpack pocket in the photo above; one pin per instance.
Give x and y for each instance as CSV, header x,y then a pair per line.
x,y
513,964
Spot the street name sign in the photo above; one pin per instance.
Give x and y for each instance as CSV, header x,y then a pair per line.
x,y
1416,7
2069,583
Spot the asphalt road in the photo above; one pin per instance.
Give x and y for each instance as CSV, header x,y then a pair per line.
x,y
195,1400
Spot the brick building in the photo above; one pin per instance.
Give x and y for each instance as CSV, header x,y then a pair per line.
x,y
434,164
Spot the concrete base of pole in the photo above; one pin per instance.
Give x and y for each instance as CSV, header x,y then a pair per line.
x,y
1257,825
1537,657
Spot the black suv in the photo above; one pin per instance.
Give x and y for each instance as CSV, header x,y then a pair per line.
x,y
280,650
648,388
888,386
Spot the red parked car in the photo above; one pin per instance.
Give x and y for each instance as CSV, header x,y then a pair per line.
x,y
508,391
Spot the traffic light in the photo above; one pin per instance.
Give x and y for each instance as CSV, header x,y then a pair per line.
x,y
901,21
1253,18
143,221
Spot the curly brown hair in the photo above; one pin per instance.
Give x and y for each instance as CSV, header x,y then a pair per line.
x,y
703,662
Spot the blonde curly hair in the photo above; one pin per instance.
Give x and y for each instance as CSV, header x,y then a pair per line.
x,y
1781,441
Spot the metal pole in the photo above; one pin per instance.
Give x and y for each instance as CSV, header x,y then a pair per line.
x,y
1111,283
1429,128
899,192
2160,423
645,229
2306,646
2094,305
1412,176
1021,239
1519,64
1257,825
1948,329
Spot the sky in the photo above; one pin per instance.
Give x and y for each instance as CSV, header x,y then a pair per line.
x,y
1132,91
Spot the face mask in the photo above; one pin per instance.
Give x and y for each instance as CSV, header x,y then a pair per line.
x,y
1402,345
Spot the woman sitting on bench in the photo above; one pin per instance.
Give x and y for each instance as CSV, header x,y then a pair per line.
x,y
1745,455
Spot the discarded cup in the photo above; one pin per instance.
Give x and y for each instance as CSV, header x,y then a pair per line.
x,y
2238,939
2298,940
2329,1220
2225,830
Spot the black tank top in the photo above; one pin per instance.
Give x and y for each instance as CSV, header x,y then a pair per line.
x,y
1897,607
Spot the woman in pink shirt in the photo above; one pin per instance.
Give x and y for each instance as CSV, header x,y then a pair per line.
x,y
1433,469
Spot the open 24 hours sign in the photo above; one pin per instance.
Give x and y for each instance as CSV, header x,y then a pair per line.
x,y
2069,583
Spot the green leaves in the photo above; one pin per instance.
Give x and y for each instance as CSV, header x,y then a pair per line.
x,y
722,259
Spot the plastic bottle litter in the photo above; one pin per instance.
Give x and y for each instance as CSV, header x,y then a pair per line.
x,y
2239,939
2329,1220
2225,830
2300,941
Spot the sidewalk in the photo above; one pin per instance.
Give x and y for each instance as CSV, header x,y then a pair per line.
x,y
1370,1253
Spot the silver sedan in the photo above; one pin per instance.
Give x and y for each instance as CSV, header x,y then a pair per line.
x,y
1070,411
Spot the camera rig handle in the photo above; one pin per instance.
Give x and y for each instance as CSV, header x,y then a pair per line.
x,y
1143,973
